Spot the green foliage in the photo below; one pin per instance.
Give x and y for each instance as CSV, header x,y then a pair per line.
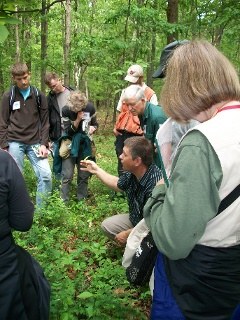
x,y
5,19
108,36
3,33
82,265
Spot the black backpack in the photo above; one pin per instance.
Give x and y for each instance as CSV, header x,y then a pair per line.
x,y
36,93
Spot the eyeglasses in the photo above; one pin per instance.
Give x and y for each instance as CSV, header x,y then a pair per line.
x,y
133,105
53,86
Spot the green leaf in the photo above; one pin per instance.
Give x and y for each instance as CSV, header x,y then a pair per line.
x,y
85,295
9,20
3,33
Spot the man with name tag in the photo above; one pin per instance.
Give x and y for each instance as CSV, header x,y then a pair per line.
x,y
24,127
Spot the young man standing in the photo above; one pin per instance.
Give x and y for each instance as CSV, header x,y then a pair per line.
x,y
24,127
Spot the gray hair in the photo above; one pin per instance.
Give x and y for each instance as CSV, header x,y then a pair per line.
x,y
134,91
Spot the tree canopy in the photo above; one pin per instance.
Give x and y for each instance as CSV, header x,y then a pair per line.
x,y
91,43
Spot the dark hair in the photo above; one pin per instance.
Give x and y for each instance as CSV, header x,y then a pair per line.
x,y
140,147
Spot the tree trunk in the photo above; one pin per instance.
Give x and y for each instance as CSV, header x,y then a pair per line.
x,y
152,53
122,60
1,80
44,30
172,17
26,47
17,39
67,42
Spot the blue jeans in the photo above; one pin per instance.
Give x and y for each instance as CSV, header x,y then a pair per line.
x,y
40,166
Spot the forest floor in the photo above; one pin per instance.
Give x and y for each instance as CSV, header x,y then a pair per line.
x,y
82,265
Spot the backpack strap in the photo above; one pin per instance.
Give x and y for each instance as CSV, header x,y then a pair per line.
x,y
36,93
229,199
37,96
12,97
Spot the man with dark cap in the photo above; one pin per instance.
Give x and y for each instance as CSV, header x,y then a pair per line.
x,y
165,55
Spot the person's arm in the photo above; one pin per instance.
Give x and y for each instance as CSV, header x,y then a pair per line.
x,y
21,208
4,121
108,179
76,123
71,127
177,217
44,118
50,106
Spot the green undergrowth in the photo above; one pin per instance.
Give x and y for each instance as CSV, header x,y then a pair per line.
x,y
81,264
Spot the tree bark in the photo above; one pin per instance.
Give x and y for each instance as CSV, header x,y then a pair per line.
x,y
122,60
172,17
1,79
152,53
26,44
17,39
44,30
67,42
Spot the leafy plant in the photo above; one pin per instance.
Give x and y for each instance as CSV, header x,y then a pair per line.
x,y
81,264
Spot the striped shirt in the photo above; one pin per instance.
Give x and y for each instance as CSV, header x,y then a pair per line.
x,y
138,191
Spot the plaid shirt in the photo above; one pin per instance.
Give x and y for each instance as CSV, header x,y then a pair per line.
x,y
138,191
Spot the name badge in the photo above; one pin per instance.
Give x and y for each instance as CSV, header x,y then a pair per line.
x,y
16,105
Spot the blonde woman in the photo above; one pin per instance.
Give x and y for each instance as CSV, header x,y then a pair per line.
x,y
197,274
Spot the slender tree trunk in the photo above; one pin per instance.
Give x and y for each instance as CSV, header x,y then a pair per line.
x,y
219,29
1,80
152,53
172,17
26,41
44,30
67,42
151,58
17,39
122,60
217,36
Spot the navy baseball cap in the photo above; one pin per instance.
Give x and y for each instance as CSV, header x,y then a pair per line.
x,y
165,55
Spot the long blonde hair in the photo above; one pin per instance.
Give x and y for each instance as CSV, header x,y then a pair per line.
x,y
198,76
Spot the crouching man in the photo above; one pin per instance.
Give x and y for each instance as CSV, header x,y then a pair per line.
x,y
138,180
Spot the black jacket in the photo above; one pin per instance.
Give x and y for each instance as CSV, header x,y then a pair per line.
x,y
16,213
55,130
70,116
